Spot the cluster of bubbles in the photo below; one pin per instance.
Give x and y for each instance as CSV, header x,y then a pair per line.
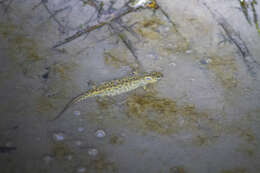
x,y
58,137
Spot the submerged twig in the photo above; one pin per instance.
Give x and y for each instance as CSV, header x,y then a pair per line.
x,y
53,15
174,25
255,16
167,17
124,39
103,20
244,7
129,29
126,42
6,6
101,40
58,11
7,149
235,38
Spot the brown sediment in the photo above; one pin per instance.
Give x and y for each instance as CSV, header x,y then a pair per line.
x,y
23,51
116,59
224,67
162,115
150,28
19,44
115,140
63,70
147,28
177,169
60,150
247,135
102,165
152,22
200,140
104,103
248,151
235,170
44,104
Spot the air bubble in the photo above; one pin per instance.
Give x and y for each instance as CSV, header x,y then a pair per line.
x,y
58,136
81,170
76,113
80,129
92,152
100,134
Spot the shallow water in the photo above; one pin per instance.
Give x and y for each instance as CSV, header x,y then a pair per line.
x,y
202,116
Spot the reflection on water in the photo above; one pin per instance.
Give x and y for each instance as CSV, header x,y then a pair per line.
x,y
247,6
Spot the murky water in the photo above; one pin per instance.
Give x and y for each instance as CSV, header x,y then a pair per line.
x,y
202,116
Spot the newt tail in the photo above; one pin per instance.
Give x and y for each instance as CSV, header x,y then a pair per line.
x,y
73,101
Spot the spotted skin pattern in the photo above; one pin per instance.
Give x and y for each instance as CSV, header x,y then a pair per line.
x,y
115,87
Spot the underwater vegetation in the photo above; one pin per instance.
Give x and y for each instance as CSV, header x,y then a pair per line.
x,y
246,6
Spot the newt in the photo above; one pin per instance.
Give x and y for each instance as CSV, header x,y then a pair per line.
x,y
115,87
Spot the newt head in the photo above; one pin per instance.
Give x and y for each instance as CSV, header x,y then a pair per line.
x,y
152,4
153,76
